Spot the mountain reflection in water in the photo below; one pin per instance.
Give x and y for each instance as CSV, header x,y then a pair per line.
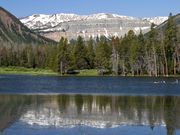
x,y
67,111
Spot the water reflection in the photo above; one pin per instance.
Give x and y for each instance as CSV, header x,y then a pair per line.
x,y
93,111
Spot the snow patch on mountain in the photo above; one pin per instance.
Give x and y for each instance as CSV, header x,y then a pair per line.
x,y
38,21
156,20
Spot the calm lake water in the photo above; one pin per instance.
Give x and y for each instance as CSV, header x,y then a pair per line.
x,y
41,105
20,84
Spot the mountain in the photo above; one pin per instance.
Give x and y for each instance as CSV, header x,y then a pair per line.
x,y
176,19
161,28
72,25
13,31
156,20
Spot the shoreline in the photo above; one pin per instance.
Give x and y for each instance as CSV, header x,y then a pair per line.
x,y
48,72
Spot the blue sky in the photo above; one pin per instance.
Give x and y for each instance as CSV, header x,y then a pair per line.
x,y
138,8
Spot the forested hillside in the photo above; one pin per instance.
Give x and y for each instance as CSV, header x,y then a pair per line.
x,y
13,31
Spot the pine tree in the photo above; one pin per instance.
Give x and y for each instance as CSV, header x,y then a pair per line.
x,y
90,53
115,55
30,57
63,56
80,54
132,51
170,40
52,58
151,51
141,60
103,54
123,49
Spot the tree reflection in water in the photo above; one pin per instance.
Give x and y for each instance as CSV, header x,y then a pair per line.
x,y
91,110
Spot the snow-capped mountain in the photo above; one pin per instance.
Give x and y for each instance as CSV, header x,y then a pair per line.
x,y
156,20
37,21
72,25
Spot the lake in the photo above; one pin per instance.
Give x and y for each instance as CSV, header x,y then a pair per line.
x,y
46,105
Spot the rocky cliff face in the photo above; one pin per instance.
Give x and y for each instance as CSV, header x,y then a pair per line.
x,y
71,25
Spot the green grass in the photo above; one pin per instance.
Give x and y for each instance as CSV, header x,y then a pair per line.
x,y
37,71
88,72
22,70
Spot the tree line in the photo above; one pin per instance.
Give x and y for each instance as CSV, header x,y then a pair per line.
x,y
155,53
